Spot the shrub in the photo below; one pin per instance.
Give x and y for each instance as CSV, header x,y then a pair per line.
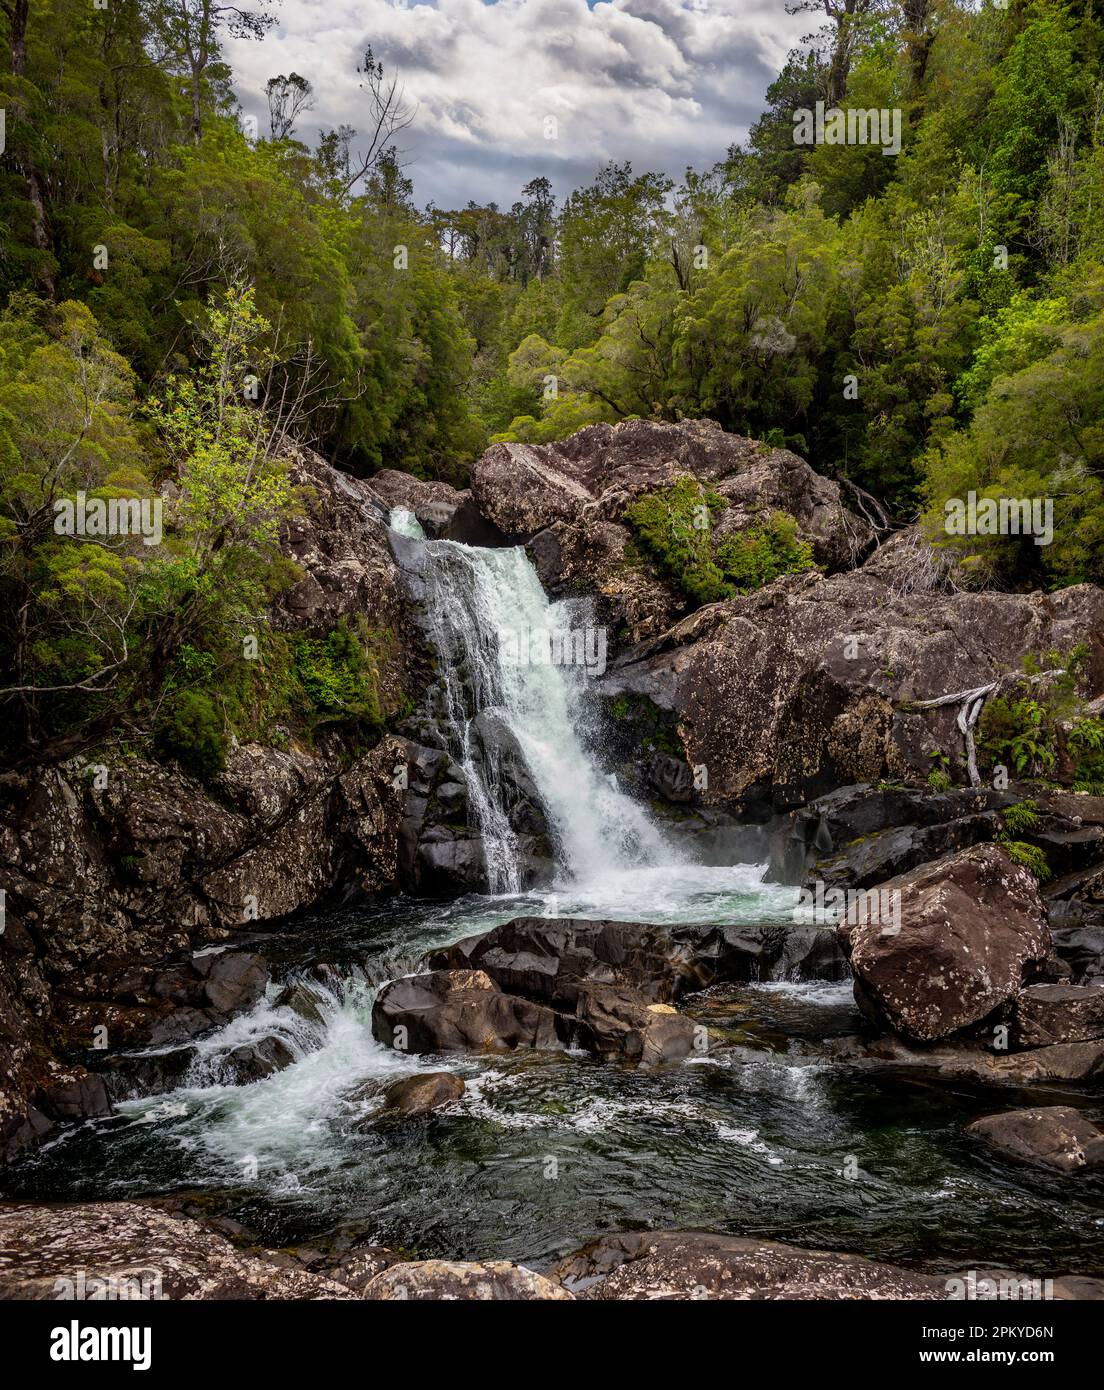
x,y
764,552
673,526
339,677
190,729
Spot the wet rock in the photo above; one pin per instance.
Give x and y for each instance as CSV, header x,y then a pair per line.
x,y
72,1093
619,1023
47,1250
958,1058
767,951
1057,1013
255,1061
418,1095
460,1011
1081,946
463,1280
448,864
1055,1136
548,958
971,924
671,778
233,980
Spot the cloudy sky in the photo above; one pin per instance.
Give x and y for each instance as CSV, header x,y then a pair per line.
x,y
664,83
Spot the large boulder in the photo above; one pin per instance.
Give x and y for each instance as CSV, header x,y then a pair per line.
x,y
552,958
678,1265
970,927
460,1011
1055,1136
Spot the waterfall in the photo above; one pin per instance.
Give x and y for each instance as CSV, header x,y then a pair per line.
x,y
490,618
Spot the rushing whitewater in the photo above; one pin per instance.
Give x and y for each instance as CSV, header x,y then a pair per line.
x,y
483,606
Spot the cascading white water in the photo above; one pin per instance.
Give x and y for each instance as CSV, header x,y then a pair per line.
x,y
490,619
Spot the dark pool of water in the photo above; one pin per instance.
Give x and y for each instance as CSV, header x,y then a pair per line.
x,y
544,1152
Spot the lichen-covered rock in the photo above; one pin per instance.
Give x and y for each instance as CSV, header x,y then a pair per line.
x,y
1057,1013
568,501
677,1265
137,1251
449,1280
970,925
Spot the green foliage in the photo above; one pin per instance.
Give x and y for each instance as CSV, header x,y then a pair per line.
x,y
939,778
674,528
190,729
763,552
1024,816
338,676
1030,856
1085,743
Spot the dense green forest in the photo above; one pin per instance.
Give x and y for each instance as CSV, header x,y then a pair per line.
x,y
921,325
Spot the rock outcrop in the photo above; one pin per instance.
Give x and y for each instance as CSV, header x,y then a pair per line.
x,y
109,864
971,925
567,501
788,693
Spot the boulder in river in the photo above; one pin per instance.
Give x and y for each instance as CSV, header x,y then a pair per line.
x,y
1053,1136
460,1011
549,958
618,1023
413,1096
970,926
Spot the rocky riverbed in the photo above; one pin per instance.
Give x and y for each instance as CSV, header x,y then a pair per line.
x,y
239,1018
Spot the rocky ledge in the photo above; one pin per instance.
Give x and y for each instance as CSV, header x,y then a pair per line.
x,y
146,1250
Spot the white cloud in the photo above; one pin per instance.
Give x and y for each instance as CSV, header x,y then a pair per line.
x,y
661,82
